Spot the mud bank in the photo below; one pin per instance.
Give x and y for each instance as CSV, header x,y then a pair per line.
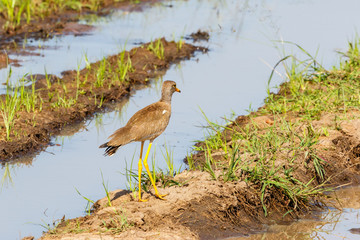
x,y
50,103
198,208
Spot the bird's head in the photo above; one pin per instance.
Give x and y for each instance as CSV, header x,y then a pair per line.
x,y
168,88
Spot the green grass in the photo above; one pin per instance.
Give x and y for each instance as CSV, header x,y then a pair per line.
x,y
169,159
313,90
101,73
164,176
106,190
157,48
131,177
124,67
9,108
17,11
109,75
13,10
89,201
63,102
180,43
88,204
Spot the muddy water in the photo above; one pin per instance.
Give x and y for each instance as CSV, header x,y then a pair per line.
x,y
331,224
231,78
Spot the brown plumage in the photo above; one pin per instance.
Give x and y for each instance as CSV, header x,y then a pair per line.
x,y
146,124
157,116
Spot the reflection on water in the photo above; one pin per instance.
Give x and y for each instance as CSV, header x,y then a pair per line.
x,y
230,78
333,223
6,178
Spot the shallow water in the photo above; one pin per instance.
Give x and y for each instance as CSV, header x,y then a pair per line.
x,y
331,224
231,78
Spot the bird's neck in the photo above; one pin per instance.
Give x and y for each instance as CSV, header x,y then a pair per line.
x,y
166,99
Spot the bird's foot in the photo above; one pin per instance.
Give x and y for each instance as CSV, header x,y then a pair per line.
x,y
143,200
161,196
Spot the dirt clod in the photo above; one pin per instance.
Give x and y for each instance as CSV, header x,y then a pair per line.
x,y
199,36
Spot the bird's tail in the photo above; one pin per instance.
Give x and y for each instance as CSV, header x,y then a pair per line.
x,y
110,150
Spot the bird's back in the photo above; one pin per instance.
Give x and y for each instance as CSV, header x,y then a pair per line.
x,y
146,124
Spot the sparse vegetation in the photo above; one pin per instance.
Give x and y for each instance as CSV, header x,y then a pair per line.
x,y
77,94
9,107
88,204
16,11
164,177
273,147
157,48
179,44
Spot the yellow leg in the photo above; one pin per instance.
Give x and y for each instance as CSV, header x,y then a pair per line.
x,y
139,171
148,171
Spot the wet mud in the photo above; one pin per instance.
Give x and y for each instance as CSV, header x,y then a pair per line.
x,y
330,223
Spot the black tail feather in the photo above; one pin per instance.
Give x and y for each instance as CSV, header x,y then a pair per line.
x,y
110,150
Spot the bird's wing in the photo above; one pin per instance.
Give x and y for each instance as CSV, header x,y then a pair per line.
x,y
120,137
150,122
147,123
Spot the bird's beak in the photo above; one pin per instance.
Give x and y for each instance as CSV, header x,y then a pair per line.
x,y
177,90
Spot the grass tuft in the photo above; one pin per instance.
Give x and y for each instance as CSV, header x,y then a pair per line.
x,y
17,12
157,48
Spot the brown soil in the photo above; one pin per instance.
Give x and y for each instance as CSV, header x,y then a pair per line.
x,y
32,130
56,23
199,209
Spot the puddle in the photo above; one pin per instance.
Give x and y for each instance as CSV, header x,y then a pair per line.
x,y
231,78
331,224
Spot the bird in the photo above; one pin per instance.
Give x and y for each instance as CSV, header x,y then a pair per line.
x,y
146,124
